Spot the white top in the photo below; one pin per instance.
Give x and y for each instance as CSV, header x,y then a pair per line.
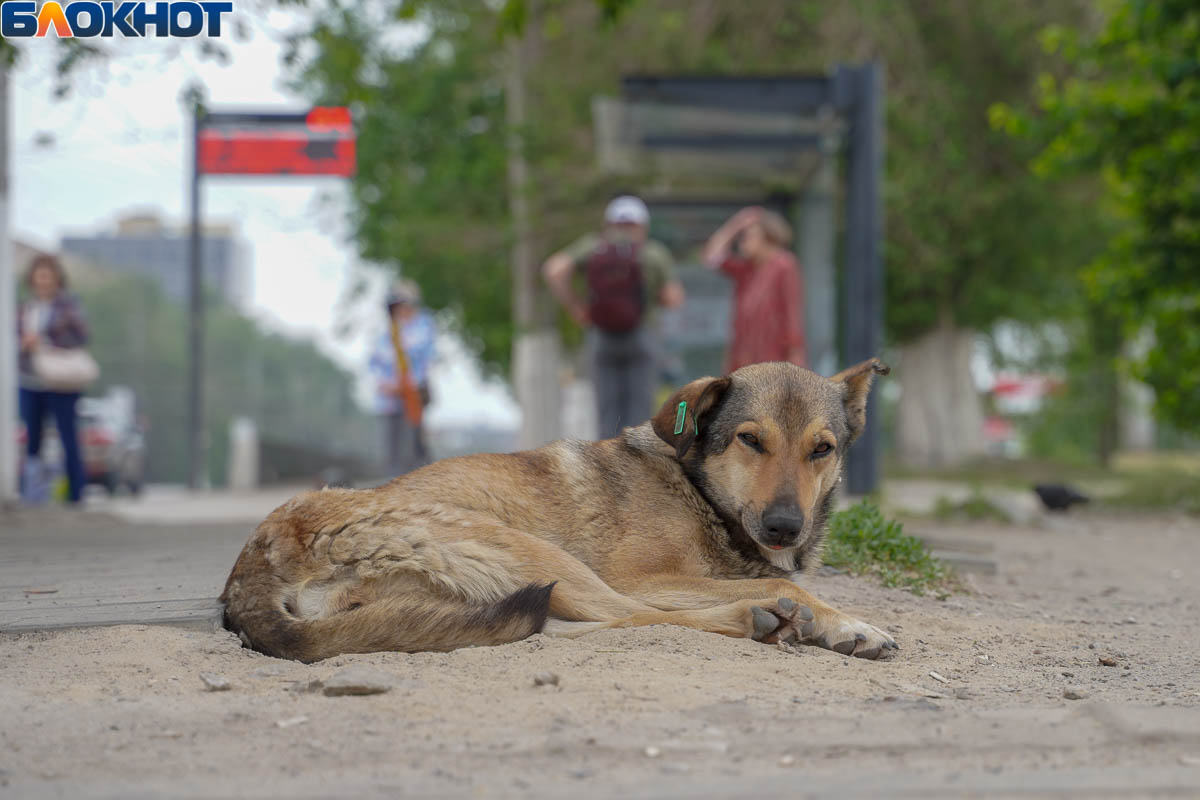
x,y
37,316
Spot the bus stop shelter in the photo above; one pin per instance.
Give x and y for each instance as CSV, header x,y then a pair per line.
x,y
700,147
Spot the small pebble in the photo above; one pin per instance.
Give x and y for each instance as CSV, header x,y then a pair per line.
x,y
653,752
1130,621
545,679
215,683
787,761
1075,692
290,721
1107,661
269,671
359,680
307,687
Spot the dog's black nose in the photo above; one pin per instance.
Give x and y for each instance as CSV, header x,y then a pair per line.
x,y
782,524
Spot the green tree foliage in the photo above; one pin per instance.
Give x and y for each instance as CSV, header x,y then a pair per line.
x,y
1129,108
430,188
970,232
294,393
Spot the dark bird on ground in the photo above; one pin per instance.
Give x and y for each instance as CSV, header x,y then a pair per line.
x,y
1057,497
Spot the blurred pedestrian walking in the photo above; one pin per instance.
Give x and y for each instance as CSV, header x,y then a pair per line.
x,y
53,370
610,283
768,290
400,366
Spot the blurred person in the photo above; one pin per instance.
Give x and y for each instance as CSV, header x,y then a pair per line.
x,y
400,366
609,284
751,248
50,318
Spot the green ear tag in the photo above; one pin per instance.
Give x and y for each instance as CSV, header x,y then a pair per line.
x,y
680,417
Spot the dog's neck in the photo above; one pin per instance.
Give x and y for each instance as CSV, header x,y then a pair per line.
x,y
730,535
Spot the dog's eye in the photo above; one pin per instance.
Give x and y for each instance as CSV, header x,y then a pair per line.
x,y
823,449
751,441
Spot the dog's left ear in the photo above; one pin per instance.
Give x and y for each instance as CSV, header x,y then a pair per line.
x,y
857,381
678,422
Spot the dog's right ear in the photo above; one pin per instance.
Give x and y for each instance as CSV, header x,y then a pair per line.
x,y
678,422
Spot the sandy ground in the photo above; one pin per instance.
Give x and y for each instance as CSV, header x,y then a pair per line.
x,y
666,712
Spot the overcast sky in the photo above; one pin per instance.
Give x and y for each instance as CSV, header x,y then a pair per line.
x,y
119,143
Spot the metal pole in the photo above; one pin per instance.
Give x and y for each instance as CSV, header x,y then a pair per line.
x,y
816,245
8,319
862,314
197,452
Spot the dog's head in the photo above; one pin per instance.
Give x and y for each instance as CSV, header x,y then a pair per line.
x,y
766,445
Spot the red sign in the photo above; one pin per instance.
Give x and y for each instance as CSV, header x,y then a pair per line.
x,y
320,142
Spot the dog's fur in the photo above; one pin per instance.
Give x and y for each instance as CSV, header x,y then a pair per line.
x,y
706,528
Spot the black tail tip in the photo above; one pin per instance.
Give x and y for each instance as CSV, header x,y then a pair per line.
x,y
531,602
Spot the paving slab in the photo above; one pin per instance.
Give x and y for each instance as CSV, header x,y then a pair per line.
x,y
62,569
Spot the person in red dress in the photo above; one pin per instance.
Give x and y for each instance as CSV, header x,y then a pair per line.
x,y
751,248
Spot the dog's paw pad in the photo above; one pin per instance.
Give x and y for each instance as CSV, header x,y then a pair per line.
x,y
765,623
845,648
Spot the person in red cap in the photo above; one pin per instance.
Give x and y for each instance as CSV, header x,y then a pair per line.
x,y
610,283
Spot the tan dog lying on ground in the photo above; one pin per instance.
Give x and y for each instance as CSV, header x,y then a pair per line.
x,y
703,517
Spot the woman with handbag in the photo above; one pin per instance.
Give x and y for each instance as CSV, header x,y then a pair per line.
x,y
53,366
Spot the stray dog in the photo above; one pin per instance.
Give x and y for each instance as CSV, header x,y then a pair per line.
x,y
703,517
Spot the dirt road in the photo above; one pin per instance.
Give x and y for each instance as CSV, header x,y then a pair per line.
x,y
666,712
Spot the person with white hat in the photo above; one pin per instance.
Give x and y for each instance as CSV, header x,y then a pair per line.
x,y
609,283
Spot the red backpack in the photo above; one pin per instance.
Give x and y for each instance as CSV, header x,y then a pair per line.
x,y
616,290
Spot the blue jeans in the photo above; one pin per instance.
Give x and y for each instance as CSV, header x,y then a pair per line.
x,y
35,405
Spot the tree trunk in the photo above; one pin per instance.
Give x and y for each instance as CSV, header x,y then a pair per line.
x,y
939,422
535,342
1107,341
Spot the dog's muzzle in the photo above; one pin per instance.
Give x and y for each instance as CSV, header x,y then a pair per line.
x,y
782,525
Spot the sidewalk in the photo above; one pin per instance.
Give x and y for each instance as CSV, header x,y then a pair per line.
x,y
168,504
158,559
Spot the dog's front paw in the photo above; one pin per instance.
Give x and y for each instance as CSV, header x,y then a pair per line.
x,y
848,636
775,620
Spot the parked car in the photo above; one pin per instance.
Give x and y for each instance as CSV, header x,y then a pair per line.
x,y
113,443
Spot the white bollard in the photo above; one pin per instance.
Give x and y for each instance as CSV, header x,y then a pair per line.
x,y
243,454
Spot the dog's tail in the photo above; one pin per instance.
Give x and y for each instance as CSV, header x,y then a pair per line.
x,y
256,608
400,623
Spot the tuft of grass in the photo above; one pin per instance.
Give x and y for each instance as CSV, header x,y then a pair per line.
x,y
976,508
864,542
